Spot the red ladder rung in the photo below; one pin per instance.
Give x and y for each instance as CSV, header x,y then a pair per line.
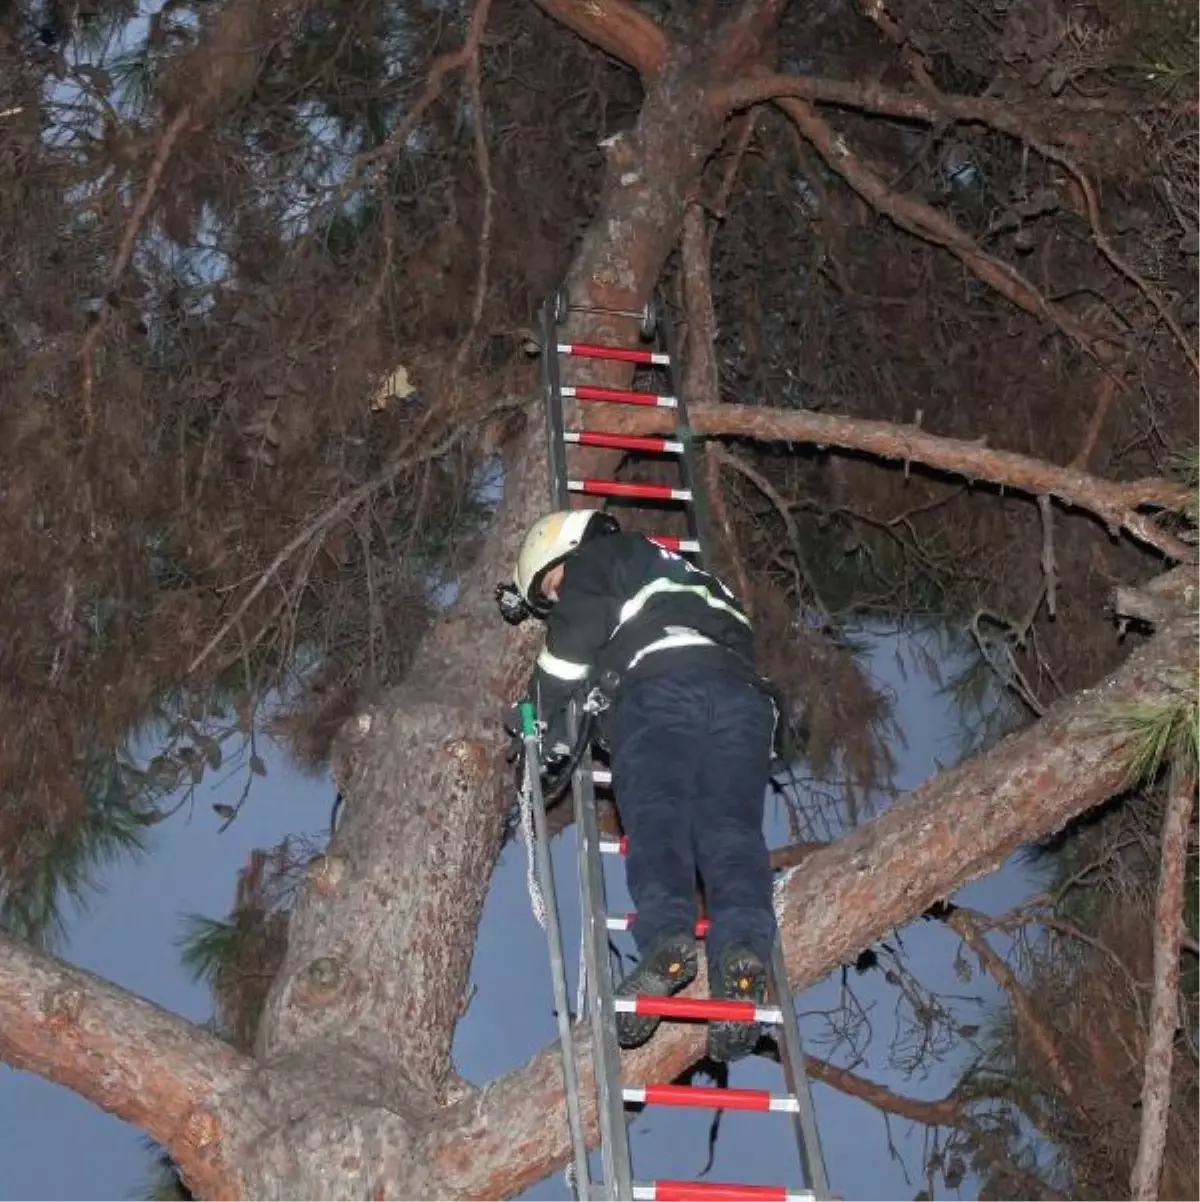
x,y
708,1095
667,1190
622,354
624,442
618,396
617,488
685,546
623,922
719,1009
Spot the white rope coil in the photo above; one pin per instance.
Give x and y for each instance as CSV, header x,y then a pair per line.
x,y
537,901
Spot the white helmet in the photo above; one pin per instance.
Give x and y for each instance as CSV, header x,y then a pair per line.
x,y
549,541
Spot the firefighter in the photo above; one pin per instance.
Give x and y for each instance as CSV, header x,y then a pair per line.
x,y
689,727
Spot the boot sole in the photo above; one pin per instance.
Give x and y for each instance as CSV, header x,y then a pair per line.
x,y
728,1041
672,969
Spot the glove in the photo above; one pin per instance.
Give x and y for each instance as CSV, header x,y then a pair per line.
x,y
555,760
511,720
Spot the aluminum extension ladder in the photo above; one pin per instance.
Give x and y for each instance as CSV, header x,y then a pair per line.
x,y
612,1098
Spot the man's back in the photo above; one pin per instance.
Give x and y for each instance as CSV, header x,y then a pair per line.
x,y
629,608
626,602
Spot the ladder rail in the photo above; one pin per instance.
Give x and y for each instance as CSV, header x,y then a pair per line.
x,y
552,383
697,513
606,1064
559,499
617,1168
795,1074
558,970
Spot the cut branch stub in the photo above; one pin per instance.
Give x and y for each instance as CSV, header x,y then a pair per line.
x,y
201,1129
325,872
617,28
325,981
62,1007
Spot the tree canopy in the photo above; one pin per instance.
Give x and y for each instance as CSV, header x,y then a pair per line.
x,y
270,430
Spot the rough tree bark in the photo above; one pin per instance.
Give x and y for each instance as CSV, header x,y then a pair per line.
x,y
152,1068
350,1093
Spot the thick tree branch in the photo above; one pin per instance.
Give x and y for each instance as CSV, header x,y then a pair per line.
x,y
126,1055
1164,1009
617,28
927,223
1054,121
961,824
1115,503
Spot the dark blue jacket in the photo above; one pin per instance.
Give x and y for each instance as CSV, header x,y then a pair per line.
x,y
628,609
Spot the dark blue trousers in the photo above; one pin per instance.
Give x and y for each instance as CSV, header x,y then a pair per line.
x,y
690,757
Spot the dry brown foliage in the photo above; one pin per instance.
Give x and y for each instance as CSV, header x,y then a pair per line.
x,y
172,421
1094,1001
220,239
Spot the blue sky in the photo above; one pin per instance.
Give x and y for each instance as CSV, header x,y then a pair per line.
x,y
54,1145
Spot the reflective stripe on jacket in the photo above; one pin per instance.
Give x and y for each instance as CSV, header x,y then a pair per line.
x,y
628,608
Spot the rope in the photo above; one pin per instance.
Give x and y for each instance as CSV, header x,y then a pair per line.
x,y
537,902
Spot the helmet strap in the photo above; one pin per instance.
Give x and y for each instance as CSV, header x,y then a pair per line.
x,y
538,602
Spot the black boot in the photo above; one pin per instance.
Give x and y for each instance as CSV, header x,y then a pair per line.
x,y
741,975
669,966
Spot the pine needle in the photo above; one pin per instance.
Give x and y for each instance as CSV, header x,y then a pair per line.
x,y
162,1183
1161,733
67,867
1185,467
